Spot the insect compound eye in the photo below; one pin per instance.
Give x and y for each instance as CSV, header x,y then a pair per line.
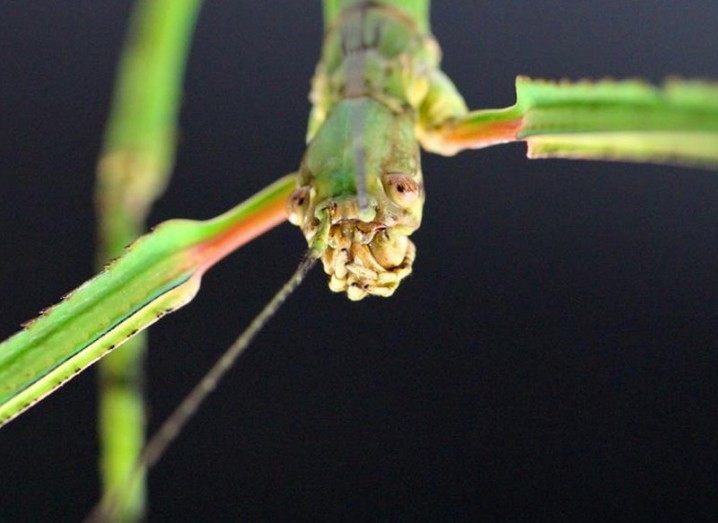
x,y
401,188
297,205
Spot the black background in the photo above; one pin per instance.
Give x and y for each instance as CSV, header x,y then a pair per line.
x,y
554,355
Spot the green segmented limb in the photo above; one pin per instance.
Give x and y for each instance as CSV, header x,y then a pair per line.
x,y
159,273
606,120
132,172
623,120
107,508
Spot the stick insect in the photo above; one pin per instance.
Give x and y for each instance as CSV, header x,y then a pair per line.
x,y
369,314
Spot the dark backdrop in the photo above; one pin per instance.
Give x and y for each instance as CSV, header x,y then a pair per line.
x,y
555,353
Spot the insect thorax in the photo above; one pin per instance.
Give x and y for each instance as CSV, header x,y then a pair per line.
x,y
362,140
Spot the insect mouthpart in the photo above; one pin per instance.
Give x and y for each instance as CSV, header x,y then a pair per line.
x,y
368,251
367,258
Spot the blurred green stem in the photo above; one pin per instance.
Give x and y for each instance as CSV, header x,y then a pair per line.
x,y
133,170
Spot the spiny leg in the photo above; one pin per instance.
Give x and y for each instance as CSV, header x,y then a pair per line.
x,y
157,274
105,509
607,120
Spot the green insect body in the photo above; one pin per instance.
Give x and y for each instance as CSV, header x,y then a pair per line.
x,y
378,92
378,95
369,88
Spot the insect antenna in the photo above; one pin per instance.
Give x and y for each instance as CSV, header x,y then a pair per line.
x,y
105,509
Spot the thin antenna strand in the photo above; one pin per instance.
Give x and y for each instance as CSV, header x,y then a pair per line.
x,y
173,425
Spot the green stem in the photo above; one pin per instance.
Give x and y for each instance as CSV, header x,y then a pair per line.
x,y
133,170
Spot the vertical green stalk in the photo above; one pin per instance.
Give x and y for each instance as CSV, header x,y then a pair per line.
x,y
133,170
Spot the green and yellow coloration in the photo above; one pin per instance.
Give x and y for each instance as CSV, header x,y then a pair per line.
x,y
378,94
158,274
133,170
362,167
607,120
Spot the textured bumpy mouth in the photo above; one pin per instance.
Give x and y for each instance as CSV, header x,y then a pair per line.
x,y
366,258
